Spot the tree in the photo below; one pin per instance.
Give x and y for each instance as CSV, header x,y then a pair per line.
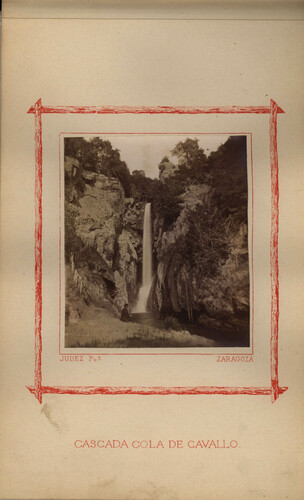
x,y
228,169
139,173
165,197
98,155
186,151
192,161
189,153
207,241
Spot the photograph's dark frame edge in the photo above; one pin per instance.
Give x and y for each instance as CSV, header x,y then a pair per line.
x,y
250,267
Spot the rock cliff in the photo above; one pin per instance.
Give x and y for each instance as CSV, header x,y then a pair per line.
x,y
103,241
202,273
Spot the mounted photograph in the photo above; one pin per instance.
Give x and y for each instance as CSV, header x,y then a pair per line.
x,y
156,240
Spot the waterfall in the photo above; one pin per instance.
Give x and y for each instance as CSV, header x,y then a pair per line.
x,y
145,288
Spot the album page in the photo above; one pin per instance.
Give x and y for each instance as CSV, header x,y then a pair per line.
x,y
152,250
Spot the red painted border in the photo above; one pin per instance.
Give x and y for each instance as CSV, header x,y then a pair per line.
x,y
274,247
182,110
38,250
273,110
226,353
160,391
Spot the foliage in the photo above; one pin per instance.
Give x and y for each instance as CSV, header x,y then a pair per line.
x,y
207,238
192,169
205,252
98,155
166,200
172,323
72,242
228,168
192,161
187,152
140,186
163,164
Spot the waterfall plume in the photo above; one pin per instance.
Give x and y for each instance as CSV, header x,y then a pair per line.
x,y
145,288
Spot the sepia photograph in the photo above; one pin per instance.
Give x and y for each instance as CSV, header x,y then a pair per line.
x,y
156,241
151,250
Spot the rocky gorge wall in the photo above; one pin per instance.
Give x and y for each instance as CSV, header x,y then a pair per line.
x,y
185,283
103,243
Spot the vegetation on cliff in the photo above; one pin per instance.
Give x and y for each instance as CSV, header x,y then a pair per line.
x,y
102,227
202,247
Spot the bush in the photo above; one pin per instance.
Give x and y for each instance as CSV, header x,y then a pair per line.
x,y
172,323
72,242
